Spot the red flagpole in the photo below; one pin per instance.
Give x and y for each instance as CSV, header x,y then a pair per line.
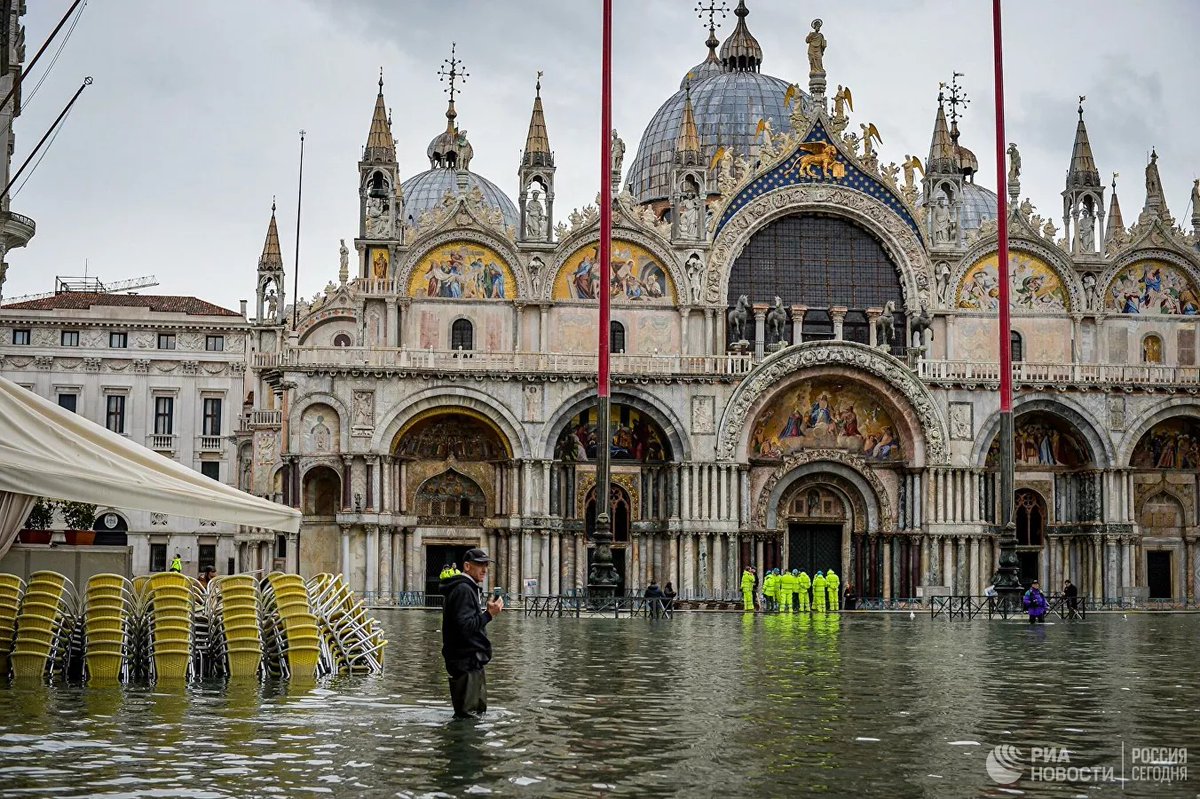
x,y
1007,577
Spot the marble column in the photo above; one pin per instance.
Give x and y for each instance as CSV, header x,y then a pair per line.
x,y
673,563
838,314
718,564
344,563
976,589
555,563
709,342
798,312
634,553
385,561
948,559
399,560
873,315
543,333
683,330
581,564
760,330
688,577
887,566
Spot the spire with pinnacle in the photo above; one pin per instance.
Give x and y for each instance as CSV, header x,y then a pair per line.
x,y
741,51
687,143
537,142
1083,173
1116,225
272,258
1156,201
381,146
941,148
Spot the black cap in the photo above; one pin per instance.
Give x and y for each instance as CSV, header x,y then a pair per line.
x,y
477,556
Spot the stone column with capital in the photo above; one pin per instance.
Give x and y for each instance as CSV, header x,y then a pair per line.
x,y
372,559
708,333
798,312
543,333
347,481
683,330
760,328
838,314
344,560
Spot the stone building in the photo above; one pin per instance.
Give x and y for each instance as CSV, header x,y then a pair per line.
x,y
15,229
805,361
166,372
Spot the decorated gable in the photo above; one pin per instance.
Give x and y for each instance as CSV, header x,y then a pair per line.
x,y
636,275
1152,287
1034,283
826,414
462,270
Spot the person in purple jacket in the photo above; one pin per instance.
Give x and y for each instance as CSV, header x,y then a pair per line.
x,y
1035,604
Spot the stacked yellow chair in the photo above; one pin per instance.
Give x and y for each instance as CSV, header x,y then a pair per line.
x,y
287,599
170,604
239,622
44,626
106,612
12,588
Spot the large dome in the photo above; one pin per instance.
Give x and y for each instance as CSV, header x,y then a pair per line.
x,y
426,190
727,107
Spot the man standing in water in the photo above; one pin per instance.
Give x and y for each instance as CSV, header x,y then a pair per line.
x,y
465,645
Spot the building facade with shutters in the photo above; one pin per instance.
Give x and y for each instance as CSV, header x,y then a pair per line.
x,y
167,373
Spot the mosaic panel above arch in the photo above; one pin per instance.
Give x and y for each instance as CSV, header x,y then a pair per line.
x,y
462,270
1171,444
1152,287
1036,286
458,433
636,436
637,276
1043,440
826,413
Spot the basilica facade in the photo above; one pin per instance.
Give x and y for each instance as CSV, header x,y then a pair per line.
x,y
805,356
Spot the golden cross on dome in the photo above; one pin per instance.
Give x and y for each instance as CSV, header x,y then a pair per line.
x,y
454,73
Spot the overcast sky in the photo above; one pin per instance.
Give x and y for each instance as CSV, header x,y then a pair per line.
x,y
168,164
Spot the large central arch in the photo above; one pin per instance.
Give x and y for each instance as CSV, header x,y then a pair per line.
x,y
926,428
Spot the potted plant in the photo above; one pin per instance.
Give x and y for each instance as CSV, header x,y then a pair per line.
x,y
79,516
37,525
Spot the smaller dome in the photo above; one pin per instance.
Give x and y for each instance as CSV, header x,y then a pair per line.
x,y
710,67
426,190
978,204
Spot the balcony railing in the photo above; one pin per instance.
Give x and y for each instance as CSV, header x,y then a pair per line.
x,y
209,444
1140,374
375,286
162,442
475,361
266,418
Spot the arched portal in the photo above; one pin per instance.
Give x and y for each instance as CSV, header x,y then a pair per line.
x,y
321,492
820,262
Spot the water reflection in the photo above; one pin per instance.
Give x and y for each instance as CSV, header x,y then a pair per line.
x,y
700,705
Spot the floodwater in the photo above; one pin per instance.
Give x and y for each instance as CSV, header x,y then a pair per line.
x,y
699,705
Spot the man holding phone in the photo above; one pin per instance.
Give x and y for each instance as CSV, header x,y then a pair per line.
x,y
465,645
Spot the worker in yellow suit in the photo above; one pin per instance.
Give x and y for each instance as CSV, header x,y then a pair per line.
x,y
748,582
787,585
819,585
832,583
802,586
770,590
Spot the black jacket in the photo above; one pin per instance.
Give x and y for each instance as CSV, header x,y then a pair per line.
x,y
465,645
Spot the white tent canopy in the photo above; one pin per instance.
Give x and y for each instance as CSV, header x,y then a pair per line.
x,y
50,452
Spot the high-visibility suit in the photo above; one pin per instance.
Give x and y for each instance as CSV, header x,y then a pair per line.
x,y
802,585
770,587
788,585
177,564
832,583
748,590
819,585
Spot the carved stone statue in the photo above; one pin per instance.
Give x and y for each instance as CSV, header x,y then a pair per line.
x,y
887,324
1014,163
1087,230
535,217
911,162
618,152
816,49
1195,198
343,262
1089,290
272,305
695,273
1049,231
738,318
943,284
376,224
842,100
689,217
536,266
776,322
725,179
942,222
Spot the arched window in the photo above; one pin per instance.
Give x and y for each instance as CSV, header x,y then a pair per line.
x,y
616,337
341,340
1018,347
1152,349
462,335
1031,518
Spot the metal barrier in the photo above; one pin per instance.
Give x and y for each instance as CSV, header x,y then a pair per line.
x,y
1004,607
617,606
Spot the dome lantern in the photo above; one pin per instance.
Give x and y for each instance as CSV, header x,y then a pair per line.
x,y
741,52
